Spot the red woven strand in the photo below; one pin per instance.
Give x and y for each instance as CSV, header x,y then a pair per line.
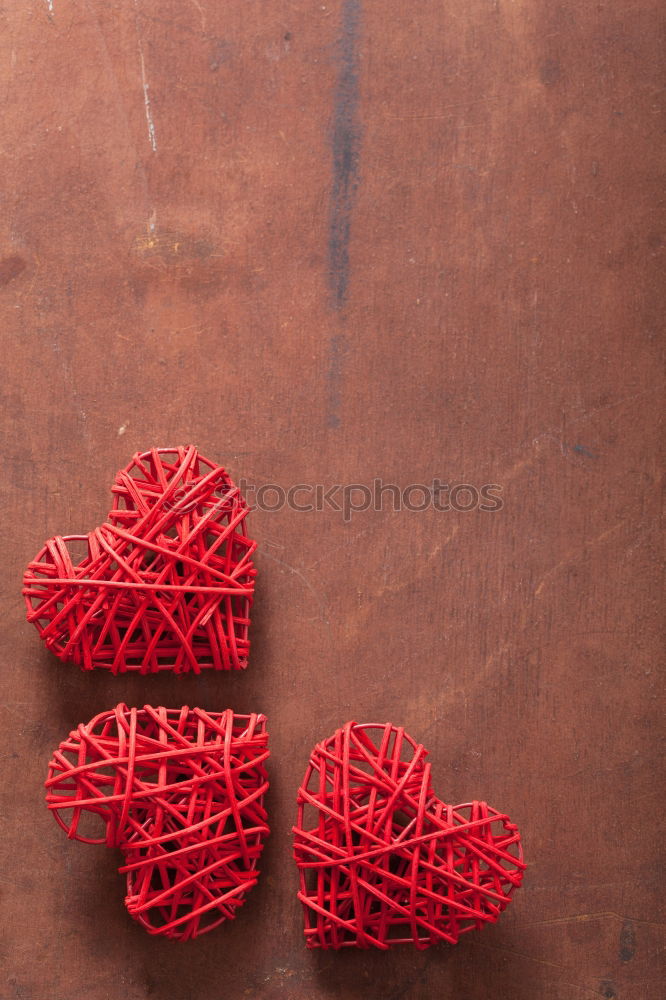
x,y
382,860
180,792
165,584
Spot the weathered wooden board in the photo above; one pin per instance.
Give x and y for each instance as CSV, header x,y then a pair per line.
x,y
331,243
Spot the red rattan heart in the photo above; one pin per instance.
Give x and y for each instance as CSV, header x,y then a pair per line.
x,y
180,792
165,584
382,860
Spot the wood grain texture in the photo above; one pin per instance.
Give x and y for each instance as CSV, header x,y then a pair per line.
x,y
328,243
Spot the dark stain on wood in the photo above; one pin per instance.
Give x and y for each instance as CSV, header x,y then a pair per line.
x,y
627,942
337,353
345,143
10,268
582,449
550,72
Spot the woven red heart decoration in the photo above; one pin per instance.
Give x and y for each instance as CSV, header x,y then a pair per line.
x,y
180,792
165,584
382,860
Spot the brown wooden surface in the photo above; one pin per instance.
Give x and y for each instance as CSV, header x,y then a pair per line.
x,y
327,243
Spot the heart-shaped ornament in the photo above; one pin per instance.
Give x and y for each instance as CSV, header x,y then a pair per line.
x,y
382,860
166,584
180,792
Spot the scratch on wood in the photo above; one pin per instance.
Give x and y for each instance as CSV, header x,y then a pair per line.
x,y
323,616
152,138
574,554
538,961
581,918
202,14
146,100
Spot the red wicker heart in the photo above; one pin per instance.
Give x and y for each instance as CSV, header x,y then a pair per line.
x,y
382,860
165,584
180,792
